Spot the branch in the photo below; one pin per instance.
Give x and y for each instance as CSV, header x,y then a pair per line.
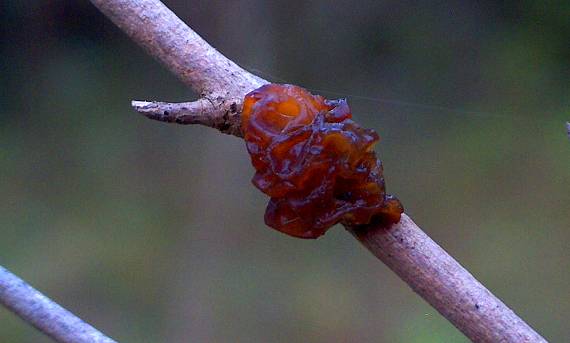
x,y
202,112
220,82
404,247
438,278
41,312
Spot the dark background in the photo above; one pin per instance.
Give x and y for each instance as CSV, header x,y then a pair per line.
x,y
153,233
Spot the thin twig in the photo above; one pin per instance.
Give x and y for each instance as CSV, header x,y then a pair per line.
x,y
404,247
217,80
201,112
438,278
43,313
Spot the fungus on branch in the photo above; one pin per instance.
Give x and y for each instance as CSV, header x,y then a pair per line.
x,y
404,247
315,163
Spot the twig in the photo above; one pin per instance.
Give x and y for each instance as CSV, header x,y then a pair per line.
x,y
43,313
568,129
201,112
404,247
438,278
220,82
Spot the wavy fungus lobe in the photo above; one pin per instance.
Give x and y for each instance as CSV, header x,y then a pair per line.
x,y
315,163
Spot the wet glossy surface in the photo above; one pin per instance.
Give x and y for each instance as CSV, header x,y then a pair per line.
x,y
315,163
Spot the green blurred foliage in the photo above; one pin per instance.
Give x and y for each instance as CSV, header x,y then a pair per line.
x,y
153,233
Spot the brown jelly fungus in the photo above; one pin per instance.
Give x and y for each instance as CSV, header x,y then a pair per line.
x,y
315,163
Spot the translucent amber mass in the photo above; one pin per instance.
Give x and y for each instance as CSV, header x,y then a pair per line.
x,y
315,163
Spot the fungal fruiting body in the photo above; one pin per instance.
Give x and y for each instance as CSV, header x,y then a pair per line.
x,y
315,163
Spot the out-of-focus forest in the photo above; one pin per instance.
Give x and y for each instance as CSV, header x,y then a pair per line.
x,y
152,232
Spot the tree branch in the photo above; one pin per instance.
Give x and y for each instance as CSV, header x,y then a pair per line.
x,y
404,247
44,314
438,278
167,38
220,82
202,112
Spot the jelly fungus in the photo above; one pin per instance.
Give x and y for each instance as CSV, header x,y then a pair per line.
x,y
315,163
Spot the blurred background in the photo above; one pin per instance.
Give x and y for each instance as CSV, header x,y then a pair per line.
x,y
152,232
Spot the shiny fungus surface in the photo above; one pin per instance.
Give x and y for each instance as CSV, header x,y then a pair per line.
x,y
315,163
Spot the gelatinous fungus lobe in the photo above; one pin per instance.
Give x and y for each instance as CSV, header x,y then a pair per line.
x,y
315,163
